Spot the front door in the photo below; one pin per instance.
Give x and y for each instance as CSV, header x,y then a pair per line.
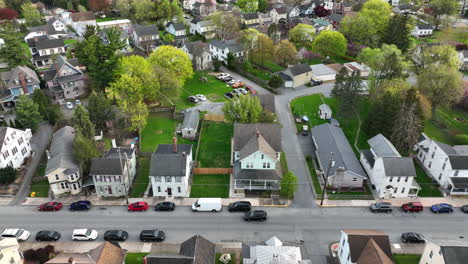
x,y
169,191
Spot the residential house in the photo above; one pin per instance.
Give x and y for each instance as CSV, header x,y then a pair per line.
x,y
14,146
364,247
80,20
44,48
403,9
199,53
20,80
195,250
321,24
204,8
444,252
170,170
446,164
9,251
306,9
63,170
105,253
189,126
363,69
422,30
65,79
54,29
3,63
251,20
395,2
322,72
278,13
178,30
392,175
220,49
336,19
463,55
273,251
146,38
265,19
325,112
124,37
331,143
297,75
292,11
256,153
202,27
113,174
187,5
123,24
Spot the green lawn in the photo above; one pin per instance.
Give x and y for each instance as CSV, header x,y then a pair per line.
x,y
445,125
212,185
273,67
284,162
428,188
214,90
41,188
160,129
70,41
104,19
142,178
262,74
313,175
406,259
135,258
215,145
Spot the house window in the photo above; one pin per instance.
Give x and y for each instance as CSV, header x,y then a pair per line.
x,y
396,190
264,165
168,179
6,154
178,179
268,165
157,179
403,190
159,188
56,177
406,179
263,156
430,164
179,189
74,186
62,185
455,173
20,141
398,179
440,176
433,153
443,166
354,179
431,254
391,179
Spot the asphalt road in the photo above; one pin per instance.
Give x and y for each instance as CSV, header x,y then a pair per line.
x,y
317,228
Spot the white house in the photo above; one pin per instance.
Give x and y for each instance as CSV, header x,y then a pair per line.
x,y
322,72
360,67
392,175
189,126
202,27
446,164
80,20
364,246
199,52
220,49
277,14
422,30
15,146
170,170
444,252
145,38
62,170
9,251
463,55
325,111
272,251
178,30
43,48
123,24
54,29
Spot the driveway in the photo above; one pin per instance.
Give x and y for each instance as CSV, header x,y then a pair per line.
x,y
39,143
211,107
237,76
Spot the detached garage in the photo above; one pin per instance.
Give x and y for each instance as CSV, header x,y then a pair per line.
x,y
322,72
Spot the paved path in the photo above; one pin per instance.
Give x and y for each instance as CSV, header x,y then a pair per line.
x,y
39,143
248,82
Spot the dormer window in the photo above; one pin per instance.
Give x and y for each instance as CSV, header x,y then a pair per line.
x,y
16,81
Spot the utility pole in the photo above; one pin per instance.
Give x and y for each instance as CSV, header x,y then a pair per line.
x,y
123,175
331,163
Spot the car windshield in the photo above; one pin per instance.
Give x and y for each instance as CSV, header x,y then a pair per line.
x,y
19,232
439,206
88,232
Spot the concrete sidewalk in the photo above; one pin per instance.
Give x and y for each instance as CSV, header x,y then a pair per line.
x,y
456,202
6,200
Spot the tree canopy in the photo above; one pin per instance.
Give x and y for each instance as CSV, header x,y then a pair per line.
x,y
330,43
173,60
244,109
288,185
224,23
13,51
285,53
81,122
30,13
302,35
27,113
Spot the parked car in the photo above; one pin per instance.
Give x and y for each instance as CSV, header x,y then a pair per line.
x,y
464,209
412,207
77,102
83,205
412,237
207,205
50,206
251,90
442,208
227,79
236,92
257,215
316,82
231,82
164,206
152,235
115,235
222,75
69,105
229,95
381,207
201,97
238,85
47,235
19,234
138,206
84,234
193,99
241,206
243,91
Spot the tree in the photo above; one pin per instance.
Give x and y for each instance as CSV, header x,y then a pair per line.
x,y
2,4
7,175
286,53
275,81
347,89
143,10
81,122
330,43
15,4
40,255
288,185
244,109
463,103
124,7
140,68
441,84
54,114
42,102
398,32
163,10
262,5
382,112
176,10
99,109
302,35
81,8
173,60
27,113
169,84
248,6
13,52
99,6
8,14
264,49
273,32
248,39
321,11
32,16
84,149
437,55
439,8
224,23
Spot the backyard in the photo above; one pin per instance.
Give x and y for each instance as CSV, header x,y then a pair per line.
x,y
448,126
210,185
142,177
135,258
41,187
406,259
160,129
428,188
215,145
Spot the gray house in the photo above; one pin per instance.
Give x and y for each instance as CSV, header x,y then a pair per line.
x,y
20,80
189,126
113,174
346,172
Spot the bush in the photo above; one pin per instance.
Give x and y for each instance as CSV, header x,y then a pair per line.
x,y
275,81
461,139
7,175
216,64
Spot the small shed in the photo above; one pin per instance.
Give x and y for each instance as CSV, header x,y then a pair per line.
x,y
325,111
189,126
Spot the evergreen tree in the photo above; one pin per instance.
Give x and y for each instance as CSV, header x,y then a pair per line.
x,y
100,110
347,89
42,102
288,185
7,175
382,113
398,32
13,51
81,122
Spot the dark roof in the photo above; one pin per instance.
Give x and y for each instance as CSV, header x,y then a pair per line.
x,y
281,10
202,250
285,77
113,153
43,42
458,162
424,26
232,45
382,147
446,148
299,69
267,101
359,240
106,167
82,16
168,259
243,133
146,30
336,17
177,26
250,16
399,166
166,162
369,156
460,182
454,255
261,174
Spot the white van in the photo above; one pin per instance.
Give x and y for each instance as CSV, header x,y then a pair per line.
x,y
207,205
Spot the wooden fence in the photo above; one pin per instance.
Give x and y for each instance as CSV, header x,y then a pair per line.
x,y
212,170
216,118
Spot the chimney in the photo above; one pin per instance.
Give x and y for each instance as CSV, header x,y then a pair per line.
x,y
71,261
183,154
48,154
258,133
174,141
22,80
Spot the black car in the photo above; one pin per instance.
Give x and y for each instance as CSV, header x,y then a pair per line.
x,y
381,207
227,79
464,209
164,206
80,206
152,235
115,235
257,215
229,95
412,237
241,206
46,235
316,82
193,99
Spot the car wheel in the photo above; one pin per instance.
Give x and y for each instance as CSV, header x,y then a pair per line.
x,y
214,211
129,210
389,212
172,209
75,239
450,212
436,212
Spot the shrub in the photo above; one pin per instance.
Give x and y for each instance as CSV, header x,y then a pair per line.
x,y
216,65
7,175
461,139
275,81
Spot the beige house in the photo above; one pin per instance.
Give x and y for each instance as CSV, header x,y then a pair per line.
x,y
251,20
446,252
296,76
9,251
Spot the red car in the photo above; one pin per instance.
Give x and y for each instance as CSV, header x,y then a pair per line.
x,y
138,206
50,206
412,207
250,89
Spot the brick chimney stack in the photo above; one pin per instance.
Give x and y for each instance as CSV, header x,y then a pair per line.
x,y
174,141
23,83
258,133
71,261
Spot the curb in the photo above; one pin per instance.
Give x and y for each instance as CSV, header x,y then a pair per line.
x,y
279,206
327,205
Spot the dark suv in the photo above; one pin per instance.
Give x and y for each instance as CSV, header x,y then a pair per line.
x,y
241,206
411,237
80,206
381,207
257,215
152,235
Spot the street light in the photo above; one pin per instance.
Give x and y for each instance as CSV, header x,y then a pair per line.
x,y
331,163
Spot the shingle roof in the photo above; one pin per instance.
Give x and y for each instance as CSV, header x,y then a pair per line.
x,y
321,69
10,77
270,132
232,45
191,119
146,30
257,143
369,156
250,16
359,243
449,150
458,162
373,254
399,166
382,147
267,101
166,162
460,182
299,69
177,26
106,166
82,16
454,255
61,151
44,42
108,253
195,250
113,153
424,26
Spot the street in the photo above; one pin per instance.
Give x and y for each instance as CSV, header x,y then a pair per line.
x,y
316,227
